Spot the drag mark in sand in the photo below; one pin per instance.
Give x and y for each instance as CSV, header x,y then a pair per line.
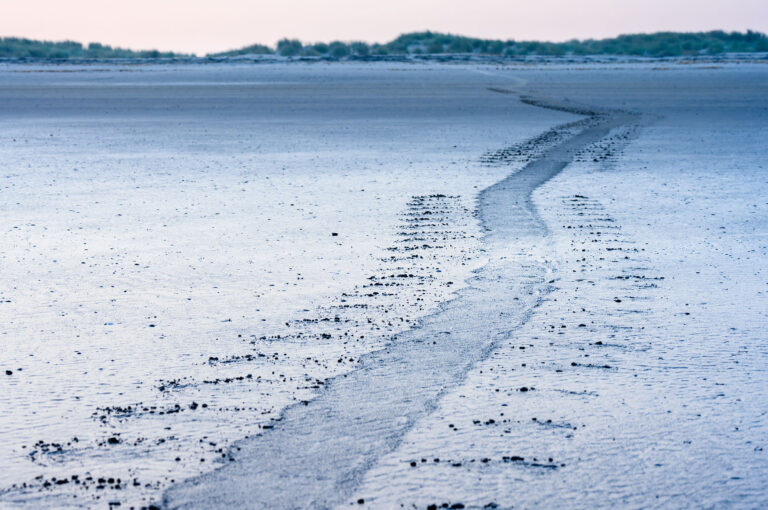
x,y
322,448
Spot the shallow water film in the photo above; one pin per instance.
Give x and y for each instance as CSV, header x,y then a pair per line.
x,y
384,285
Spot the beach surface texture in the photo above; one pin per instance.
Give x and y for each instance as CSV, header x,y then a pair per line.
x,y
385,285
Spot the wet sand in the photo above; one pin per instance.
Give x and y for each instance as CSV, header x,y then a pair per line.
x,y
323,447
407,380
163,302
646,353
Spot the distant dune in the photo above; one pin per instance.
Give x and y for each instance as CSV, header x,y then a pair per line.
x,y
660,44
15,47
653,45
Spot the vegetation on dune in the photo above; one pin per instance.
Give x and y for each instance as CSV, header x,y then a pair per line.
x,y
15,47
660,44
289,47
254,49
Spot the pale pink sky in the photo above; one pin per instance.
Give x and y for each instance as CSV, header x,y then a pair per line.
x,y
205,26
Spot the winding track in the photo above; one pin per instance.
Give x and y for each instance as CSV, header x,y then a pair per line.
x,y
317,454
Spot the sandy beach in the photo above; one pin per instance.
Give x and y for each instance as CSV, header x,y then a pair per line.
x,y
384,285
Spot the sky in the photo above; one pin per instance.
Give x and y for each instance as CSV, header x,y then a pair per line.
x,y
198,26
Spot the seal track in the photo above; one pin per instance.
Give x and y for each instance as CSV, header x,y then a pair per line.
x,y
317,453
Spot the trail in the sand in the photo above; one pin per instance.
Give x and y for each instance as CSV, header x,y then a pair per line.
x,y
318,452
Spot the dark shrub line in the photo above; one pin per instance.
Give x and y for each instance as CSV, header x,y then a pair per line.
x,y
660,44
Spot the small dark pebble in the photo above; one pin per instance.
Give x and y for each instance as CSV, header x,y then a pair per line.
x,y
9,372
360,501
